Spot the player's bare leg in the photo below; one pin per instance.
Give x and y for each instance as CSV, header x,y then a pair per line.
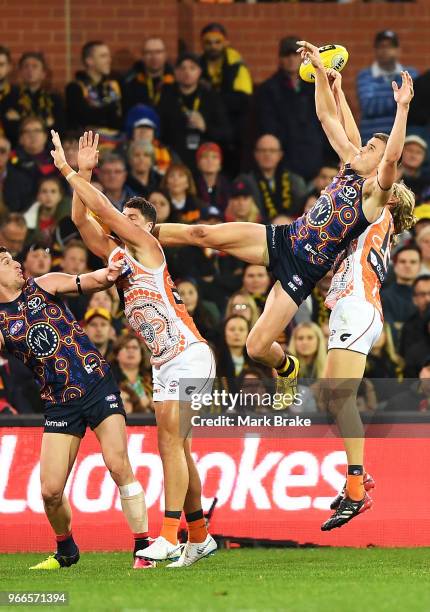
x,y
246,241
344,371
58,454
112,436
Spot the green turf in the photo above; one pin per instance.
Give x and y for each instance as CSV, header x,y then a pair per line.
x,y
362,580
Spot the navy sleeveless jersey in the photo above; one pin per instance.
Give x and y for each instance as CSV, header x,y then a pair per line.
x,y
335,219
40,330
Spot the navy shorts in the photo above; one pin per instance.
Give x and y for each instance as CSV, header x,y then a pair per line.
x,y
74,416
297,276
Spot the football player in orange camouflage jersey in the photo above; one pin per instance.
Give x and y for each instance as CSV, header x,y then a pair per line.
x,y
179,354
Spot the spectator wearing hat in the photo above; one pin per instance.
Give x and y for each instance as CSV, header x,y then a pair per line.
x,y
191,113
143,177
397,298
36,260
414,327
374,89
411,168
276,189
213,188
286,109
223,67
145,81
33,98
97,324
241,205
113,177
94,98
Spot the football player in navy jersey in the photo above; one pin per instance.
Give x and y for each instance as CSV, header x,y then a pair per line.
x,y
78,389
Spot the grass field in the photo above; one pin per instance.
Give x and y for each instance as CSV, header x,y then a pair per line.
x,y
249,579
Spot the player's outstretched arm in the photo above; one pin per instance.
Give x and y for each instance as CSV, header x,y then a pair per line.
x,y
99,204
343,110
93,235
60,283
387,169
326,105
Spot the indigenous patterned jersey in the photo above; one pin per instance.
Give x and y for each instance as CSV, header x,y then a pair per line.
x,y
335,219
155,310
40,330
362,271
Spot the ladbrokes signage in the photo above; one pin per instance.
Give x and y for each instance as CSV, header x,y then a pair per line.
x,y
270,488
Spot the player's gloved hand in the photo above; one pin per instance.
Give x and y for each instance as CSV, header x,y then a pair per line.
x,y
58,153
310,52
88,155
114,270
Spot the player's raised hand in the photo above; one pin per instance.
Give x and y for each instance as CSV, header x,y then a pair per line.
x,y
58,153
310,52
335,79
114,270
88,155
404,94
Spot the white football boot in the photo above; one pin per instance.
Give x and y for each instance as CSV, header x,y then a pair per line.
x,y
193,552
160,550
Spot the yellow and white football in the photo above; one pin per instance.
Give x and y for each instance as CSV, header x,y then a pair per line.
x,y
333,56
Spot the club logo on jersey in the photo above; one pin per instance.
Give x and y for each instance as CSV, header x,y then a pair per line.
x,y
36,304
148,332
348,194
16,327
297,280
344,337
110,398
173,385
321,211
43,340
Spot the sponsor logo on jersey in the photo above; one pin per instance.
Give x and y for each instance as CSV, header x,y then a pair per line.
x,y
56,423
43,340
297,280
348,194
36,304
113,405
292,286
16,327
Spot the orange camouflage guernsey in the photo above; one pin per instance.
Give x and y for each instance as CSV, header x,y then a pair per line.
x,y
154,309
363,269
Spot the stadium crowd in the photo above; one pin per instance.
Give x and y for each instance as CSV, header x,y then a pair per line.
x,y
204,144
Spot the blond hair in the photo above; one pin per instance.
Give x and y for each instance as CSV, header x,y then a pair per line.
x,y
320,357
249,300
403,211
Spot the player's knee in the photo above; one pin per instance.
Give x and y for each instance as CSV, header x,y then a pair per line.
x,y
119,468
168,442
51,495
256,347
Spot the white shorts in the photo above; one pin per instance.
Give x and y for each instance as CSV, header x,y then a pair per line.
x,y
355,325
189,373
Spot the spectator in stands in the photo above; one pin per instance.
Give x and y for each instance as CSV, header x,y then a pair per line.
x,y
144,83
162,206
411,168
423,243
32,154
253,382
13,232
223,67
7,92
36,260
178,184
324,177
243,304
143,124
94,98
384,366
75,261
241,205
143,177
286,109
309,346
19,393
213,188
97,326
397,298
33,98
417,398
276,189
130,364
131,400
414,328
232,357
15,185
71,148
190,113
257,282
44,215
113,177
109,299
205,314
374,90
